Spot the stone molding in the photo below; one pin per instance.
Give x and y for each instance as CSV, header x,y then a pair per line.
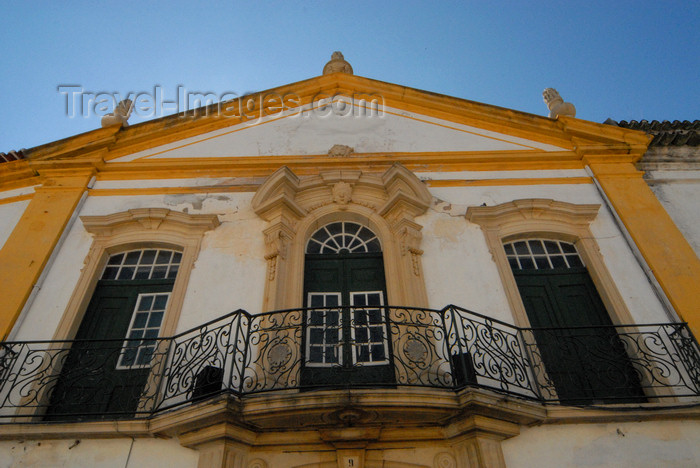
x,y
386,203
137,228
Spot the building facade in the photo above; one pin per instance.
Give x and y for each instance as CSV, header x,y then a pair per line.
x,y
343,272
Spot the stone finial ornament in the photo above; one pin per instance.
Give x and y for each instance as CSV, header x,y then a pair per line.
x,y
337,64
556,104
120,115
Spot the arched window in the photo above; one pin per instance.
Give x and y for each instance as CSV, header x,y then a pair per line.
x,y
579,346
129,293
346,335
557,284
109,362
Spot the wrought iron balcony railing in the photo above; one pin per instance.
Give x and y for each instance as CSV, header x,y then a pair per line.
x,y
307,349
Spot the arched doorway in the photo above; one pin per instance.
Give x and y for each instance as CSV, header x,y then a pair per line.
x,y
346,332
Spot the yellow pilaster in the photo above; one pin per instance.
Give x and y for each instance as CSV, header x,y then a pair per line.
x,y
27,250
665,249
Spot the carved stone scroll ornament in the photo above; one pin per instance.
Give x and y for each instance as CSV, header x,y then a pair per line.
x,y
276,243
410,238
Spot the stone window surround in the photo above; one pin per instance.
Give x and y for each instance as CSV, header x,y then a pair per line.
x,y
550,219
386,203
136,229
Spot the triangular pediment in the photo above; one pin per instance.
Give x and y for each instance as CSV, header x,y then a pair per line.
x,y
310,117
314,129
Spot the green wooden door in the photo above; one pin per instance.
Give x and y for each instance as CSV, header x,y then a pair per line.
x,y
346,334
582,353
103,372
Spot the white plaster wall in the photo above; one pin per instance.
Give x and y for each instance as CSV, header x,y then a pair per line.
x,y
459,268
653,444
10,213
96,453
681,198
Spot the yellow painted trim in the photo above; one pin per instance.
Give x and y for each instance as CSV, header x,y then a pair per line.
x,y
27,250
170,190
504,182
665,249
26,196
262,166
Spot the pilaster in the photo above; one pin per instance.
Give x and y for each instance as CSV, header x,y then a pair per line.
x,y
31,243
663,246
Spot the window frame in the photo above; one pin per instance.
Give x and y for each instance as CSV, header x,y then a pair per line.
x,y
536,218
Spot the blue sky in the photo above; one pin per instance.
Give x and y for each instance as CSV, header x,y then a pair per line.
x,y
620,59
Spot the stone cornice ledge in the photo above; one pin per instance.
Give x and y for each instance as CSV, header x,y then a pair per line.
x,y
434,414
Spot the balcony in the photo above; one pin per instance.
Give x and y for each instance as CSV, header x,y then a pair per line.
x,y
384,348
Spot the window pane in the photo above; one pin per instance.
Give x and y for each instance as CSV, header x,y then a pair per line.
x,y
110,273
177,257
316,335
148,257
527,263
567,248
374,246
161,301
377,334
331,355
521,248
172,273
375,316
509,249
146,303
552,247
574,261
360,300
316,354
164,256
316,318
558,261
361,335
536,247
332,301
335,228
132,258
140,320
378,353
159,272
513,263
115,259
360,317
127,273
363,354
332,318
155,320
143,273
542,263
